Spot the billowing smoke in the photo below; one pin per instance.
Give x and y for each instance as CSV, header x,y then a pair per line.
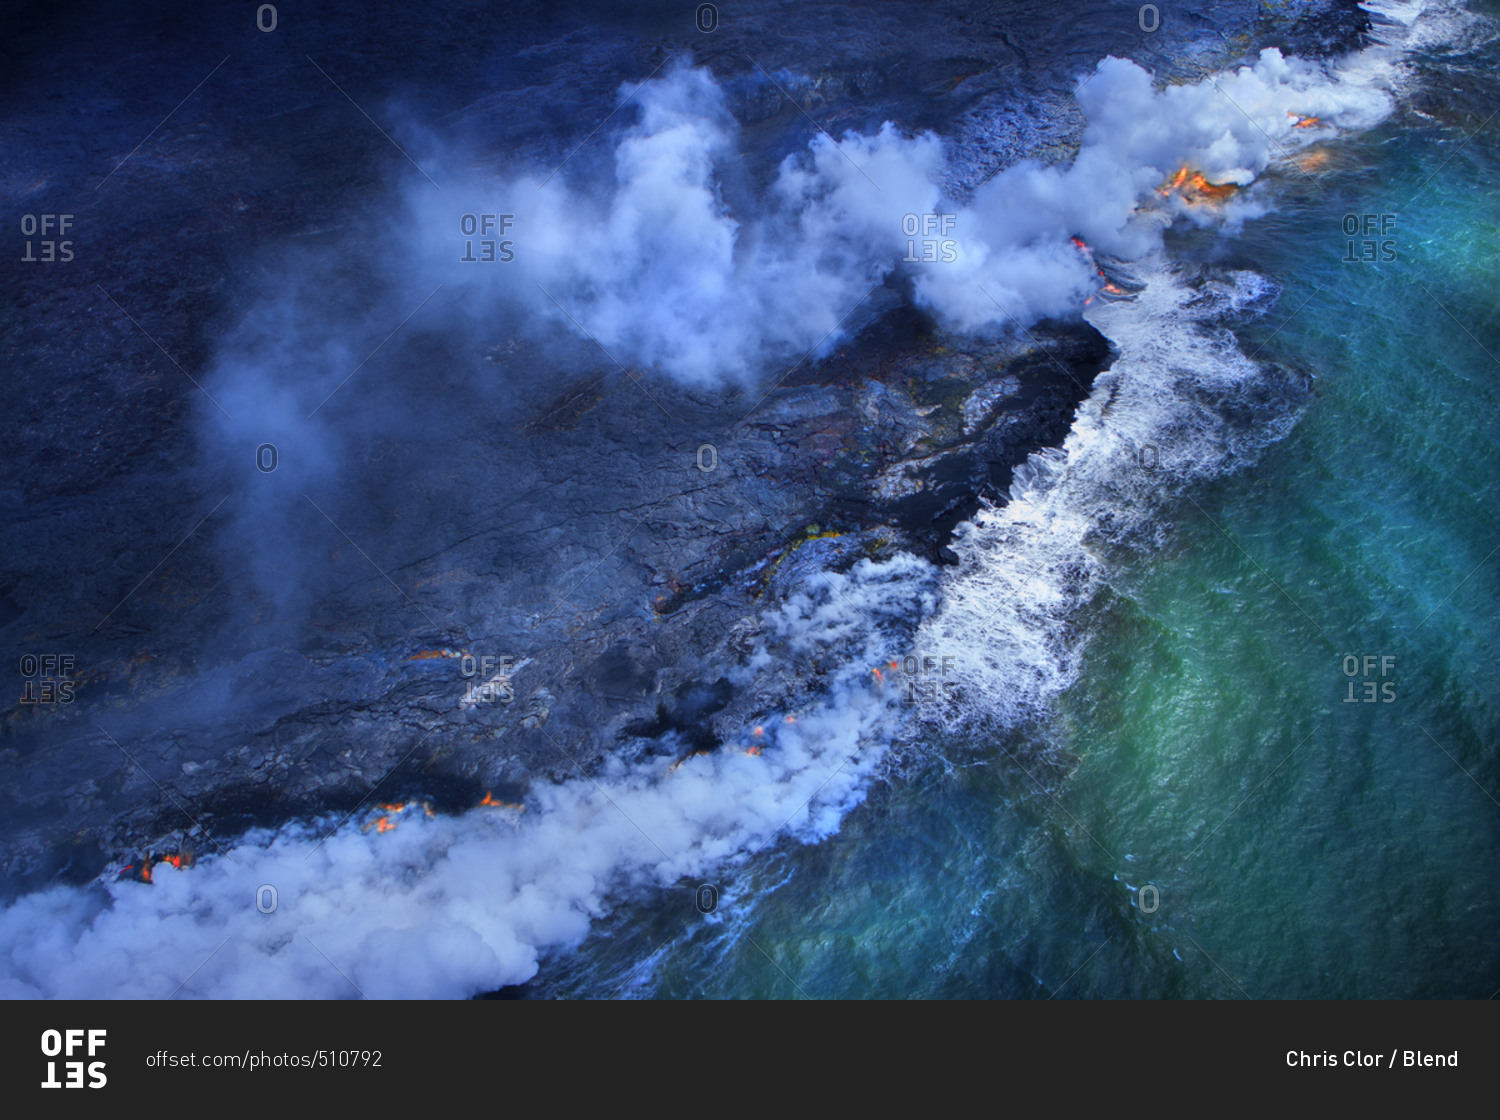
x,y
675,261
449,906
667,265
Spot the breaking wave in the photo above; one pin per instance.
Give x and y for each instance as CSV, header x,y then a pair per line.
x,y
449,906
1181,402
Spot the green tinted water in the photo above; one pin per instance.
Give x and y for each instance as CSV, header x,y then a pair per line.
x,y
1290,843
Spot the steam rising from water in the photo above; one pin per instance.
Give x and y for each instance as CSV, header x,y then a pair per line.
x,y
1180,403
658,267
448,906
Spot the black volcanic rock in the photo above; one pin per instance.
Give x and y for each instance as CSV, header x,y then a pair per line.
x,y
557,527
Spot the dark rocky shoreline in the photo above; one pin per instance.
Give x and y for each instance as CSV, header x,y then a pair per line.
x,y
565,522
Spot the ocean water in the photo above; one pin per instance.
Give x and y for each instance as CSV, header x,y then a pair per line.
x,y
1274,771
1210,710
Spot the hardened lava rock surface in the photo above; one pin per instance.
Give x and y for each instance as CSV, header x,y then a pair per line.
x,y
591,543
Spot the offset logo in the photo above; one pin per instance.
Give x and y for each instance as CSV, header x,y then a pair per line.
x,y
66,1044
490,248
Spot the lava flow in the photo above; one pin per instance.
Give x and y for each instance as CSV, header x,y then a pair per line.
x,y
141,872
1193,188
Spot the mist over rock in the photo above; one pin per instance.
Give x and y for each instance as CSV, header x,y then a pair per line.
x,y
708,434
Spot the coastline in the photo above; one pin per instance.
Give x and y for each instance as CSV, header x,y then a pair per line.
x,y
883,459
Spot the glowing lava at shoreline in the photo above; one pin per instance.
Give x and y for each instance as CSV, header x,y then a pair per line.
x,y
1194,188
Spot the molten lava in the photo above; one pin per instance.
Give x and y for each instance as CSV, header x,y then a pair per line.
x,y
142,871
1193,188
1089,255
492,802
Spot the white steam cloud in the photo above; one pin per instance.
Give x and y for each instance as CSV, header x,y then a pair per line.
x,y
450,906
659,267
662,270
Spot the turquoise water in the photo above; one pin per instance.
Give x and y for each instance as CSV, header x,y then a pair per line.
x,y
1292,843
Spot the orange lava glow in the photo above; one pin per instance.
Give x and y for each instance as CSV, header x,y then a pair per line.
x,y
1193,188
1089,253
1314,160
492,802
176,859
